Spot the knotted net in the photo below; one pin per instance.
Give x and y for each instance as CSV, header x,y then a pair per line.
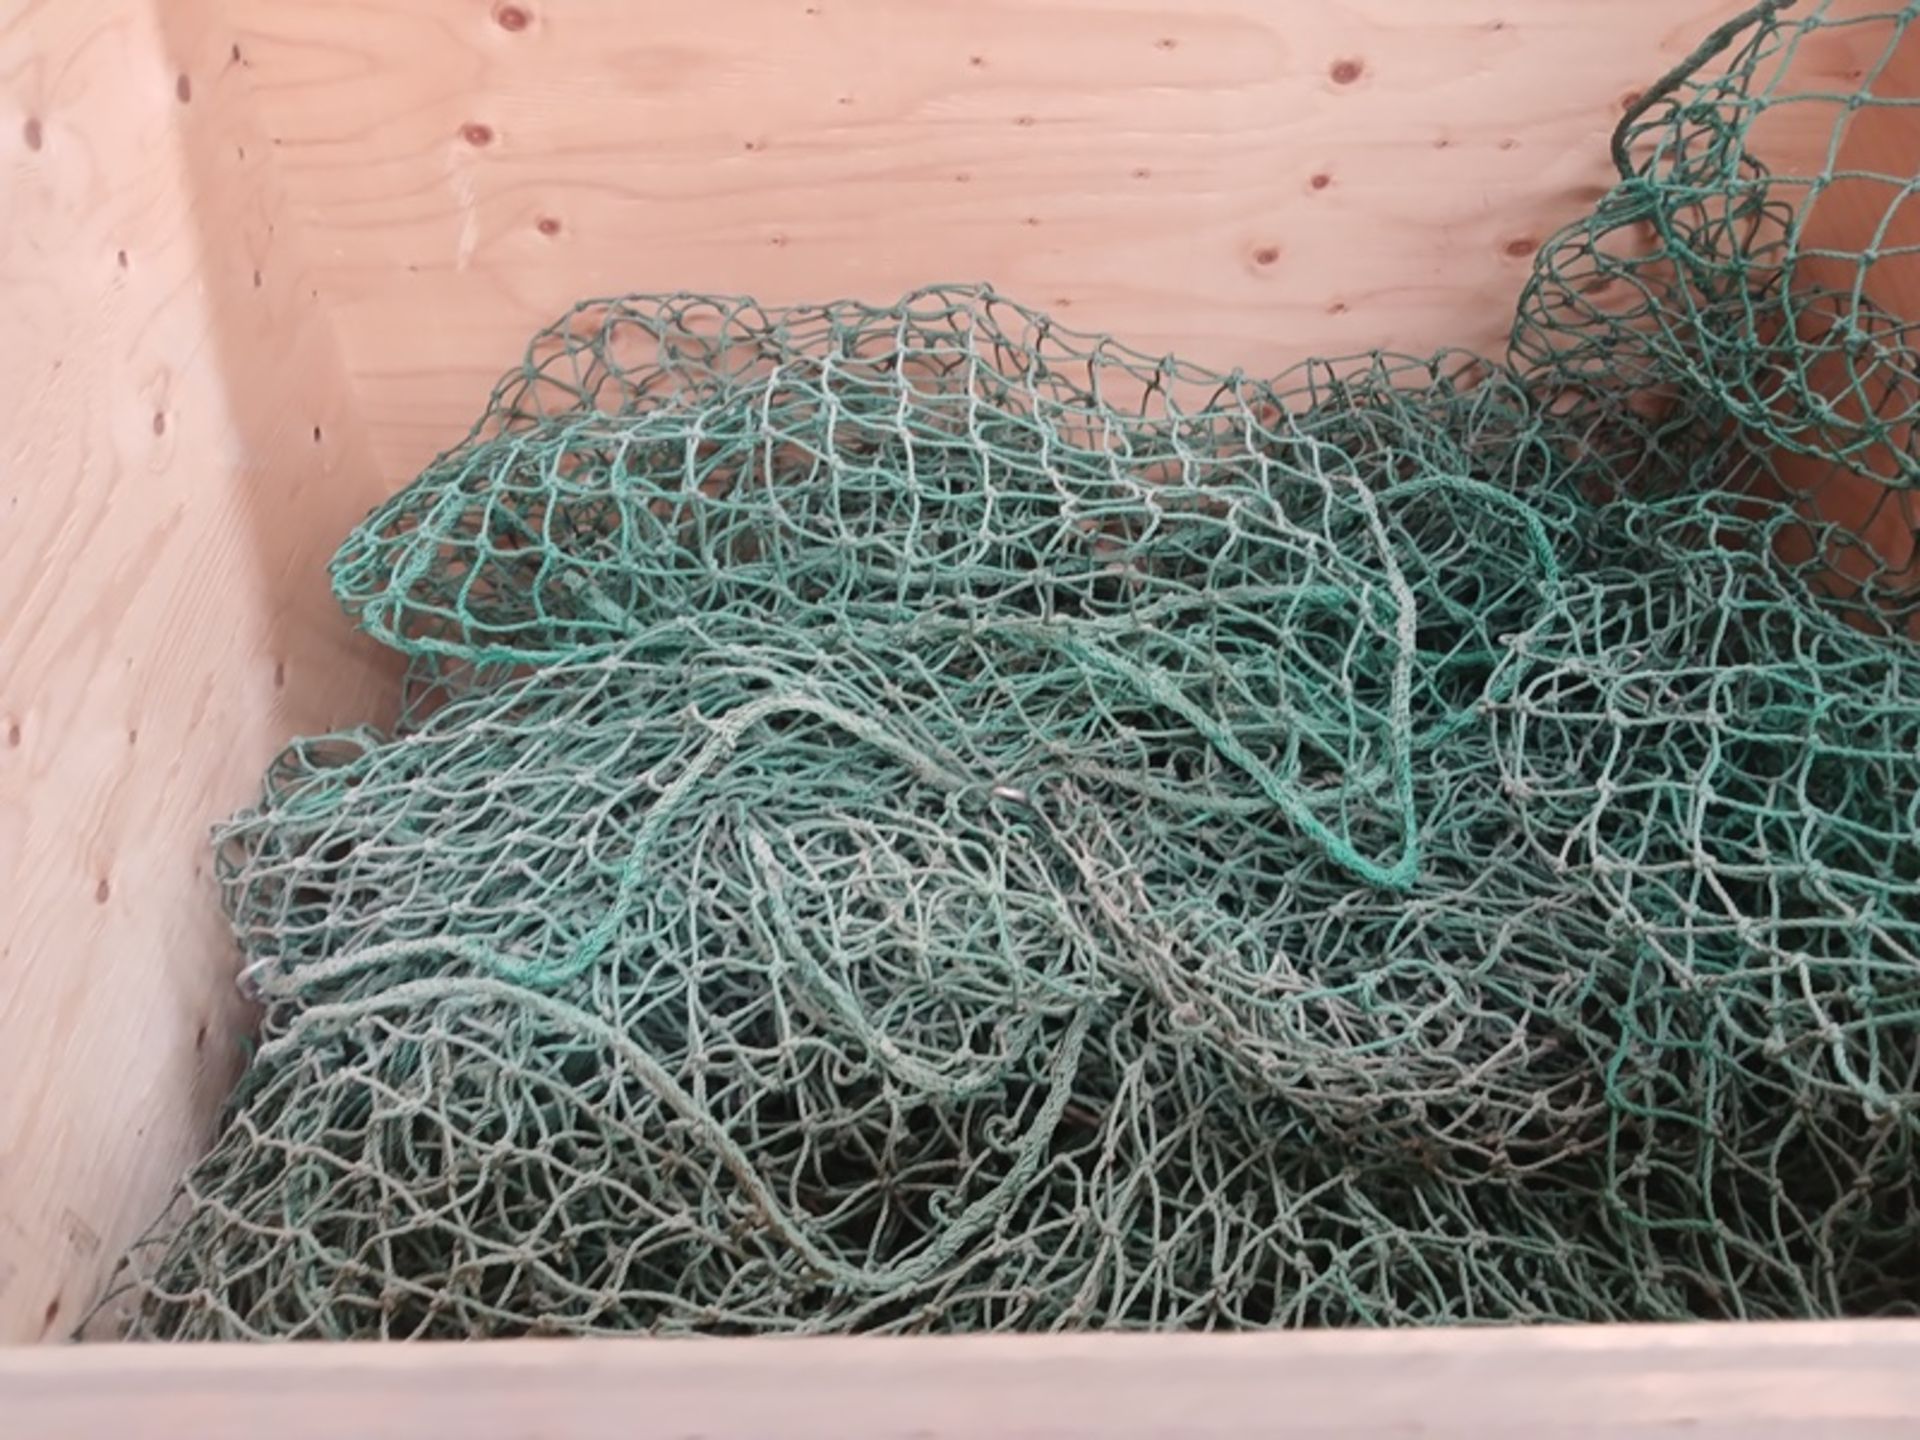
x,y
913,818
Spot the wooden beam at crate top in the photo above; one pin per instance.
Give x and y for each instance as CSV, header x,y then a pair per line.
x,y
1836,1381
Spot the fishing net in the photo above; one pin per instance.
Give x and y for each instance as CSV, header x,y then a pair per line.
x,y
913,818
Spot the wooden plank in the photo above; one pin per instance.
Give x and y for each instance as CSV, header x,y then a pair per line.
x,y
1247,181
1764,1382
177,456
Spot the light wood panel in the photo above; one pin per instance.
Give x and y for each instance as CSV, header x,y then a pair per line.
x,y
1710,1382
177,456
1247,181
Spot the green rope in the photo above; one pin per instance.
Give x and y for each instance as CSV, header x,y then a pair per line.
x,y
911,818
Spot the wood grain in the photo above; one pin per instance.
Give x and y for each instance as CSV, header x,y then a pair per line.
x,y
1247,181
1719,1382
177,456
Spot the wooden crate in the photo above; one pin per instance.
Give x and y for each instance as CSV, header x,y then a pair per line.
x,y
261,258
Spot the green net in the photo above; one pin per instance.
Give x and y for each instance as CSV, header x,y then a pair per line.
x,y
913,818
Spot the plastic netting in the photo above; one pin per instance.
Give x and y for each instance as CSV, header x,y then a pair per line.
x,y
912,818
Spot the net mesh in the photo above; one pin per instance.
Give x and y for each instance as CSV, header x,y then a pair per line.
x,y
913,818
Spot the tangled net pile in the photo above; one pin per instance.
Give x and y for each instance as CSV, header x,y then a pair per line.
x,y
914,819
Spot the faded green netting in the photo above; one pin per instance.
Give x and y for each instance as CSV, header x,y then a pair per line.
x,y
912,818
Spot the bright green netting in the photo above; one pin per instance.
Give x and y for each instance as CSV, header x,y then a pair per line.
x,y
913,818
